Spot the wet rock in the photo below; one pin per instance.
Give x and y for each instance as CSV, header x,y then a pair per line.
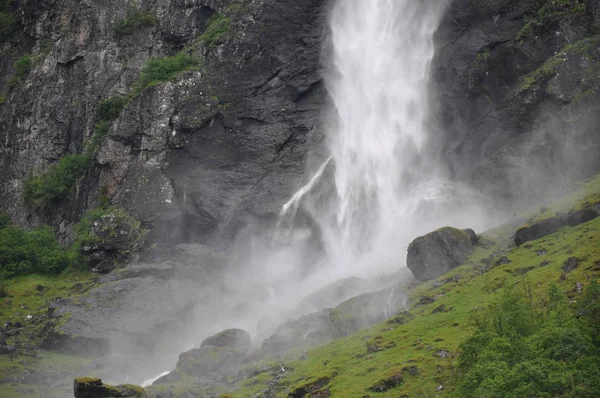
x,y
542,252
387,384
171,377
545,262
402,318
309,388
502,261
411,370
523,270
570,264
212,362
445,281
425,300
442,354
90,387
436,253
237,339
538,230
440,308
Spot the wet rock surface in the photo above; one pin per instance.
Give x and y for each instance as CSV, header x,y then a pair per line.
x,y
231,338
436,253
90,387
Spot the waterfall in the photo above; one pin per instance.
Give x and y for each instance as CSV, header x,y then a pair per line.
x,y
378,81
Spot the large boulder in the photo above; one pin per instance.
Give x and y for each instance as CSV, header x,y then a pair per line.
x,y
436,253
91,387
210,362
237,339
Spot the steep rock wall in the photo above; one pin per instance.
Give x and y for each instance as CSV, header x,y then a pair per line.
x,y
516,85
193,159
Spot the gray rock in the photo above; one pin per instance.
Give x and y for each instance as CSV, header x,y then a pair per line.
x,y
91,387
231,338
436,253
212,362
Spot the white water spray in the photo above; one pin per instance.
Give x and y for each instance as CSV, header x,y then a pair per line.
x,y
388,188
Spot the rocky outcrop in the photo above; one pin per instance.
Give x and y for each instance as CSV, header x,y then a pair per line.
x,y
91,387
237,339
540,228
436,253
211,362
516,92
194,159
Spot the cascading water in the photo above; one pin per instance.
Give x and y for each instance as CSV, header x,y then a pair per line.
x,y
387,185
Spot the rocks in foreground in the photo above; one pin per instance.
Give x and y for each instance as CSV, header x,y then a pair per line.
x,y
91,387
231,338
436,253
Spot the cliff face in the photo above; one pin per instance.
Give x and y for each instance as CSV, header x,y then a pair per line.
x,y
517,88
191,158
200,156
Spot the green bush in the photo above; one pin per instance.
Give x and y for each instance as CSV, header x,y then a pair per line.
x,y
7,26
57,181
108,111
519,349
134,19
217,29
22,67
22,252
164,69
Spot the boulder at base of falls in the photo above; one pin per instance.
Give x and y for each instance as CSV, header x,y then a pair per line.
x,y
91,387
231,338
436,253
212,363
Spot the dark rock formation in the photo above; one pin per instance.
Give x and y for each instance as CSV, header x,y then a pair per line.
x,y
212,362
539,229
91,387
516,95
436,253
237,339
194,159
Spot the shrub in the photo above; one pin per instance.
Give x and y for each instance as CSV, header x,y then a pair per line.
x,y
520,350
7,26
34,251
218,27
164,69
134,19
57,181
22,67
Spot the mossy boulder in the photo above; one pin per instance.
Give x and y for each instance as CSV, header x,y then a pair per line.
x,y
436,253
231,338
212,362
92,387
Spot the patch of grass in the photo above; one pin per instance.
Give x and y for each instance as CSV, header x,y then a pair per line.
x,y
21,69
135,19
431,342
164,69
55,183
217,30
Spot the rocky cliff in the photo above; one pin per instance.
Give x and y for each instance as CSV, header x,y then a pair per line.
x,y
516,85
194,158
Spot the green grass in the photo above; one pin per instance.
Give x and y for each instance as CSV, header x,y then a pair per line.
x,y
21,69
8,24
164,69
217,30
135,19
549,13
351,370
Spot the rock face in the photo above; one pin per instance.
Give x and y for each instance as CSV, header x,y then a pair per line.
x,y
539,229
194,159
436,253
211,362
90,387
237,339
516,93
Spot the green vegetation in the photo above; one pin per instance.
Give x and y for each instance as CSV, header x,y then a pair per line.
x,y
164,69
549,69
217,30
22,67
8,25
115,220
56,182
134,20
521,348
549,13
431,349
24,252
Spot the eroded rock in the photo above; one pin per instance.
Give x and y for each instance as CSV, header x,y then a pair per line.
x,y
436,253
91,387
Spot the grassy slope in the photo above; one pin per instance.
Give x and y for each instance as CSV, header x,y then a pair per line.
x,y
351,369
